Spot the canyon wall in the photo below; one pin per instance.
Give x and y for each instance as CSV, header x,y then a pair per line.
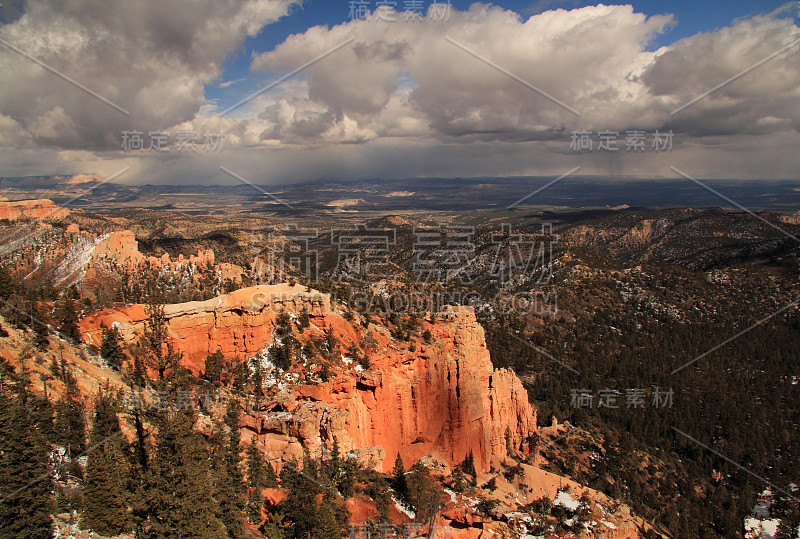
x,y
239,324
439,399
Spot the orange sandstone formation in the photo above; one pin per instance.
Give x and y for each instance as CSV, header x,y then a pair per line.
x,y
439,400
123,249
31,209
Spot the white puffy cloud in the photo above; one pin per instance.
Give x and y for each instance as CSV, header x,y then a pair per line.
x,y
149,57
590,59
594,60
400,100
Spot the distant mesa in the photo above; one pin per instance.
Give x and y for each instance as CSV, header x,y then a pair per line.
x,y
78,179
395,220
344,202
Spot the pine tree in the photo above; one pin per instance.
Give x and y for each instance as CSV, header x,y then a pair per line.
x,y
70,424
423,492
258,383
469,468
341,472
257,479
179,484
256,468
139,370
68,321
303,319
275,527
140,459
383,502
301,495
41,411
105,510
72,292
789,514
330,517
138,473
231,488
26,501
213,367
347,483
311,509
40,329
469,464
153,343
111,347
55,370
399,483
280,356
458,480
335,463
6,283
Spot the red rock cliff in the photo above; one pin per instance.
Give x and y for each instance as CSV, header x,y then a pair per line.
x,y
441,399
31,209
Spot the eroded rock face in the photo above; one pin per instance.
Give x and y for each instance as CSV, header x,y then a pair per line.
x,y
239,324
31,209
441,399
122,248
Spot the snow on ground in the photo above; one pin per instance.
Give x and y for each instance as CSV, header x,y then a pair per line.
x,y
407,512
760,529
760,525
565,500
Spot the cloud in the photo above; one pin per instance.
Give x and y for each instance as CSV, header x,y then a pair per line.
x,y
400,100
766,100
149,57
588,58
228,83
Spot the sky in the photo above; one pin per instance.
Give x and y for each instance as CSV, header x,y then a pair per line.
x,y
281,91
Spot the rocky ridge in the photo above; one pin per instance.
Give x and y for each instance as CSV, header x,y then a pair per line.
x,y
31,209
439,399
